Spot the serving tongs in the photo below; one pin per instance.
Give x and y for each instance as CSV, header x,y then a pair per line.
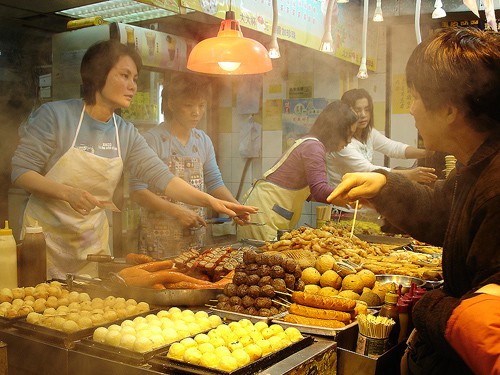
x,y
346,267
221,220
84,282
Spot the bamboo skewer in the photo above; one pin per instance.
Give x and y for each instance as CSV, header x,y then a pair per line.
x,y
354,218
285,294
280,303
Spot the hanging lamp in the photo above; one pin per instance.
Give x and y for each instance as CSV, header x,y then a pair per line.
x,y
438,12
274,48
363,71
378,15
229,53
327,40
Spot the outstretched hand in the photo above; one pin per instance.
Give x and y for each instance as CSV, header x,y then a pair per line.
x,y
231,209
357,186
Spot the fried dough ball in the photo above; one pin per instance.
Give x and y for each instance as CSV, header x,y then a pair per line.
x,y
18,293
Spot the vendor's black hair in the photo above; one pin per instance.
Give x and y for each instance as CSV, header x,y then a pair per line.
x,y
98,61
333,125
183,86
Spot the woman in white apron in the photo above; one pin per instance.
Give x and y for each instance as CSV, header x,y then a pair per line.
x,y
71,156
168,227
299,174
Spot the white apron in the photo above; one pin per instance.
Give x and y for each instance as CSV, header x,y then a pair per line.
x,y
70,236
281,207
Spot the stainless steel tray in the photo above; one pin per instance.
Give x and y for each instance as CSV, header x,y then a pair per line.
x,y
163,363
314,330
381,239
170,297
230,315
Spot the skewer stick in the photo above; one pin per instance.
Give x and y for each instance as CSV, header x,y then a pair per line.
x,y
354,218
212,306
290,290
280,303
285,294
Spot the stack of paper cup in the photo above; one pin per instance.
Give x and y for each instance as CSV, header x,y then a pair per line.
x,y
450,163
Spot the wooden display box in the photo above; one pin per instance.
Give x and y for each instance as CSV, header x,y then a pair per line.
x,y
351,363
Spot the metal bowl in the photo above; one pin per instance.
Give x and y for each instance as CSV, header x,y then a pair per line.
x,y
404,281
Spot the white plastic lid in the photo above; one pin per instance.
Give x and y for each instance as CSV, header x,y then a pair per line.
x,y
34,229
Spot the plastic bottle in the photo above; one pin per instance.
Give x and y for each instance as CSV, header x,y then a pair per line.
x,y
403,320
33,257
390,310
8,258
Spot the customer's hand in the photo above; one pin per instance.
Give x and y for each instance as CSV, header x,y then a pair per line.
x,y
357,186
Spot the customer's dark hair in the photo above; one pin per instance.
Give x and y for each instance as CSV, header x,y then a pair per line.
x,y
460,66
182,86
333,125
98,62
350,97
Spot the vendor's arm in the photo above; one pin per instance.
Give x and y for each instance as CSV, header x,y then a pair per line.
x,y
399,150
314,164
45,188
186,217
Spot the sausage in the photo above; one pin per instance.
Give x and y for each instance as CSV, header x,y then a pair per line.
x,y
323,302
312,312
331,323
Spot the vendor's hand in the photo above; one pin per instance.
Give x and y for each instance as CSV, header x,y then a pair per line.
x,y
357,186
81,200
229,208
423,175
189,218
242,219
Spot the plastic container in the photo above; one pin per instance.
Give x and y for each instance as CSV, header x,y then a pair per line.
x,y
8,258
390,310
33,257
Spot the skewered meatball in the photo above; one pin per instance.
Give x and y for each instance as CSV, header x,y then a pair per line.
x,y
252,311
289,281
240,278
247,301
223,298
252,268
299,285
253,291
266,280
235,300
275,260
263,302
264,312
267,291
238,309
230,289
277,272
249,256
279,285
273,310
298,272
242,290
264,270
253,279
224,306
259,259
289,265
241,268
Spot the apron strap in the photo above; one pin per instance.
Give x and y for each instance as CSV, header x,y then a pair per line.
x,y
79,126
287,154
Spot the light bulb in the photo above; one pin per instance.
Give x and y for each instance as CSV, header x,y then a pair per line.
x,y
363,71
377,15
327,43
274,49
229,66
342,1
439,12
